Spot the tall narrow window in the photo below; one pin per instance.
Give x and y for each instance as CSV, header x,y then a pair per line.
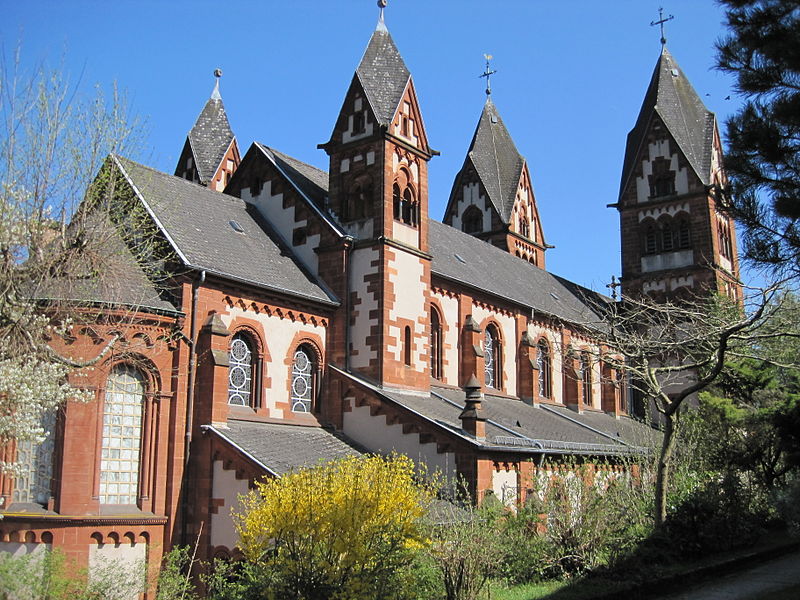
x,y
407,343
662,179
240,371
472,220
684,234
122,436
491,358
397,202
524,226
667,241
543,362
650,240
409,216
304,380
586,378
436,345
35,461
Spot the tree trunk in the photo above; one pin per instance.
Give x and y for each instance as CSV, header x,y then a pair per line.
x,y
664,465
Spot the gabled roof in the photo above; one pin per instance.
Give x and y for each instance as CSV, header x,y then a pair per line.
x,y
201,226
383,75
210,137
311,181
691,124
463,258
496,160
284,448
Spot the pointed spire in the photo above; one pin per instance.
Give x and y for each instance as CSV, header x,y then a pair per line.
x,y
382,73
496,160
671,97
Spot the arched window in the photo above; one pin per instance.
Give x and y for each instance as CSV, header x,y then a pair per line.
x,y
396,201
240,371
491,358
524,227
545,366
472,220
304,379
586,378
662,179
407,345
122,436
436,344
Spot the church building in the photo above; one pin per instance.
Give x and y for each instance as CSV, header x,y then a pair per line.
x,y
311,315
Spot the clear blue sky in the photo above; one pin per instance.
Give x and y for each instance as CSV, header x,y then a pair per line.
x,y
571,78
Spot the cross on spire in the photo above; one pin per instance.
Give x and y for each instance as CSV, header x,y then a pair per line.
x,y
488,73
615,283
661,20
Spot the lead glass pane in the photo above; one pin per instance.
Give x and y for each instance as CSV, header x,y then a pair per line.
x,y
302,381
35,460
240,372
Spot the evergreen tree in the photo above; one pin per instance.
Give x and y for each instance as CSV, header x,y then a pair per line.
x,y
763,158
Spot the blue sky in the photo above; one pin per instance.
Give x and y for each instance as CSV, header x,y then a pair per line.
x,y
571,76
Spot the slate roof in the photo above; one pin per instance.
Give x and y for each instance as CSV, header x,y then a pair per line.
x,y
671,96
383,75
122,280
513,424
496,159
466,259
311,181
283,448
199,223
210,137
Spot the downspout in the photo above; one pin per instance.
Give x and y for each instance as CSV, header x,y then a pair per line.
x,y
190,401
348,276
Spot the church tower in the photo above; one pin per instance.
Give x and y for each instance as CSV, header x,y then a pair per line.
x,y
492,196
378,191
675,239
210,154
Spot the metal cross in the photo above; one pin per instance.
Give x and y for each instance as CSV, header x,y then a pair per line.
x,y
615,283
487,73
661,21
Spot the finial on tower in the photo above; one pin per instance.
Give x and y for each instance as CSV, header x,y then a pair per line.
x,y
661,21
488,73
615,283
381,25
215,95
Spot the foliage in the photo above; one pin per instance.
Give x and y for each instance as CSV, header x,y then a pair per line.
x,y
787,504
763,159
465,548
173,580
49,576
344,529
243,580
53,143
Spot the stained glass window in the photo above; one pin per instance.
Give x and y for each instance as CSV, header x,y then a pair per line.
x,y
122,436
436,345
586,378
36,464
491,358
303,380
240,371
545,369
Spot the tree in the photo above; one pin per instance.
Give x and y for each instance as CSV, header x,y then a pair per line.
x,y
57,244
763,155
344,529
673,350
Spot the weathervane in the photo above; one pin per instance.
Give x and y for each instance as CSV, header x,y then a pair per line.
x,y
382,4
661,21
487,73
615,283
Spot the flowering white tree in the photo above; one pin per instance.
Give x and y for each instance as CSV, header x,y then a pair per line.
x,y
53,143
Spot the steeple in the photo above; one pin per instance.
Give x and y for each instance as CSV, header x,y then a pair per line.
x,y
210,154
671,98
492,196
675,239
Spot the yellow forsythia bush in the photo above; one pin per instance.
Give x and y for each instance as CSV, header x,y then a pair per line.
x,y
344,529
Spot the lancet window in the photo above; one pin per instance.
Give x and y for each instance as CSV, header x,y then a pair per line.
x,y
491,358
304,379
545,366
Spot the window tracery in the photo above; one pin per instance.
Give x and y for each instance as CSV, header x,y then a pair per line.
x,y
491,358
240,371
544,364
303,380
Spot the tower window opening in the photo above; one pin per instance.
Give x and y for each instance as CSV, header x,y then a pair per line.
x,y
472,221
662,179
397,201
407,346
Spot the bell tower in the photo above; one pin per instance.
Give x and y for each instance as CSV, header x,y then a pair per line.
x,y
378,192
675,238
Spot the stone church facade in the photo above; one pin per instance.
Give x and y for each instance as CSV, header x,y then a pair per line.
x,y
318,314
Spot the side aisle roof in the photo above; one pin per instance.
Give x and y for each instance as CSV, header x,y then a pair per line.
x,y
220,234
